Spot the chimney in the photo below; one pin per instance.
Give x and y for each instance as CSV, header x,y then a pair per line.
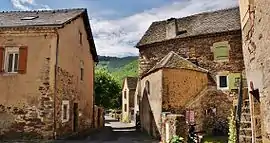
x,y
171,28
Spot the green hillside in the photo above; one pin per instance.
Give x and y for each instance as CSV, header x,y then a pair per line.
x,y
130,69
114,63
119,67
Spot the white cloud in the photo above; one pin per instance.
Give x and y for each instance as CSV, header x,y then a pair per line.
x,y
118,37
28,5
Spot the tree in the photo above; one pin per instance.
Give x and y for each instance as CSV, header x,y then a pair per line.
x,y
107,90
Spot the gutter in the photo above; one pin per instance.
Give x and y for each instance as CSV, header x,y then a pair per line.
x,y
55,87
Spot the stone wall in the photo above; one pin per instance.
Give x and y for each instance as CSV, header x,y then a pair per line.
x,y
255,31
211,109
180,86
195,48
26,100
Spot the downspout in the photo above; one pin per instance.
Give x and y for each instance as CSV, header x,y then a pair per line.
x,y
55,87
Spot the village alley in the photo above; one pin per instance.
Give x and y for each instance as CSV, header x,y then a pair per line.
x,y
115,132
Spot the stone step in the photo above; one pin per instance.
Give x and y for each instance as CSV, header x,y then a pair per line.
x,y
245,125
245,122
245,139
246,118
245,132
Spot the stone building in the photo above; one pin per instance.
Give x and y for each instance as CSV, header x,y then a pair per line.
x,y
128,92
47,61
255,35
210,40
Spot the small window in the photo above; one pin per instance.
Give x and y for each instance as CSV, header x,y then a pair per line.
x,y
82,70
125,94
12,60
29,17
125,108
223,82
65,111
80,34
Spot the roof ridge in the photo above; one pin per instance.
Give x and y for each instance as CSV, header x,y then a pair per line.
x,y
201,13
43,10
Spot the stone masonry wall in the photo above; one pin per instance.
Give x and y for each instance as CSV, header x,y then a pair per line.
x,y
211,109
196,47
255,30
32,120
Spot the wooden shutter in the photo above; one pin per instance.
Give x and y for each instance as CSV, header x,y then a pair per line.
x,y
22,60
2,55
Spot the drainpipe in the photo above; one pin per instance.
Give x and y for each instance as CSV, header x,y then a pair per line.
x,y
55,87
238,110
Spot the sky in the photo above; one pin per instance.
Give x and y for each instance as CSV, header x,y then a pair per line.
x,y
118,25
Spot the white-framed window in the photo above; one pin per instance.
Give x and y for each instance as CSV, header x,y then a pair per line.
x,y
11,60
65,111
223,82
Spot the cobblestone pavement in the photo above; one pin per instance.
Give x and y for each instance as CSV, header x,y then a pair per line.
x,y
116,132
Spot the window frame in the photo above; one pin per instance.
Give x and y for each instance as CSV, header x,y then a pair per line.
x,y
218,82
8,51
65,103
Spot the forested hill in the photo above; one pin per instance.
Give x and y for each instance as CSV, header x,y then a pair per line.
x,y
119,67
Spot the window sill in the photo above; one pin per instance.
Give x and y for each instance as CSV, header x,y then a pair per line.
x,y
223,88
10,74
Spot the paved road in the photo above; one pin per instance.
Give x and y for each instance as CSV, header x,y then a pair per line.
x,y
116,132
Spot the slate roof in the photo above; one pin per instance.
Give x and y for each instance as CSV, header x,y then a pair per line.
x,y
174,61
198,24
47,19
132,82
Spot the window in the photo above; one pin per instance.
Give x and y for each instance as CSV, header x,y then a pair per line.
x,y
11,60
80,34
221,51
125,94
29,17
65,110
82,70
222,82
125,108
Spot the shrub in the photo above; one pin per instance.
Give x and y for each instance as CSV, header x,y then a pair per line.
x,y
232,128
177,139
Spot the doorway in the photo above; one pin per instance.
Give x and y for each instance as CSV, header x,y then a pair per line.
x,y
75,117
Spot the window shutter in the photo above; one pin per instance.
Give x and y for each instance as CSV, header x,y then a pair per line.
x,y
22,60
233,80
2,55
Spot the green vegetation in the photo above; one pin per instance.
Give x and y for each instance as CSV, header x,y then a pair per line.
x,y
232,128
177,139
130,69
119,67
215,139
109,76
107,90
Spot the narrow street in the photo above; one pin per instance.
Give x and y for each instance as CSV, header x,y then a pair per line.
x,y
116,132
